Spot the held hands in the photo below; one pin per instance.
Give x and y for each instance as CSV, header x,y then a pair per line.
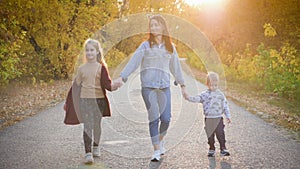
x,y
228,120
119,80
184,93
117,83
114,87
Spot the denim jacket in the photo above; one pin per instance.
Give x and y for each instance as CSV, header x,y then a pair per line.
x,y
156,65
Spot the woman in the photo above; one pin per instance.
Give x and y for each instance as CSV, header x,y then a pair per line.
x,y
158,58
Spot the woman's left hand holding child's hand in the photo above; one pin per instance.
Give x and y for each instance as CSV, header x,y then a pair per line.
x,y
183,92
228,120
116,84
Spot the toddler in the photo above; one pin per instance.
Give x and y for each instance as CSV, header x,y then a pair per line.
x,y
214,105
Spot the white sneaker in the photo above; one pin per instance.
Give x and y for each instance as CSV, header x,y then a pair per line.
x,y
162,148
211,153
96,151
156,156
224,153
89,158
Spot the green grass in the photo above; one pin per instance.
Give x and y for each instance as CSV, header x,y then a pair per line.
x,y
279,110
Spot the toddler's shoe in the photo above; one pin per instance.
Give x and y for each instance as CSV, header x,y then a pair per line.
x,y
224,152
89,158
211,153
96,151
156,156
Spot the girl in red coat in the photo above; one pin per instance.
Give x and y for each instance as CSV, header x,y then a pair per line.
x,y
93,79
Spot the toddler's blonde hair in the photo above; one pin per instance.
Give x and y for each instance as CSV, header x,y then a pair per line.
x,y
212,78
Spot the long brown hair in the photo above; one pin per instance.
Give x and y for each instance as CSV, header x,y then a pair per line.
x,y
165,35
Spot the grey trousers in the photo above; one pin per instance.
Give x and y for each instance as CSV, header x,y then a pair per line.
x,y
91,111
215,126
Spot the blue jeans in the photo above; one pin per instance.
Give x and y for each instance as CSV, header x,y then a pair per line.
x,y
158,104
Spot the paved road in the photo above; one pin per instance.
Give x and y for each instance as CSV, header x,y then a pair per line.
x,y
43,141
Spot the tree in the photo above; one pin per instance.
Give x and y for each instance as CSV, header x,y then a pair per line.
x,y
42,39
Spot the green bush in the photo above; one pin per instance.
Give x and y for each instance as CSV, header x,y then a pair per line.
x,y
272,70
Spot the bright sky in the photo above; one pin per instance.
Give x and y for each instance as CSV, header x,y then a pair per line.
x,y
204,2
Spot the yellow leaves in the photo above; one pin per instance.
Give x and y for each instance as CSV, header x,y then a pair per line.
x,y
275,70
33,81
22,100
274,53
269,30
285,59
114,57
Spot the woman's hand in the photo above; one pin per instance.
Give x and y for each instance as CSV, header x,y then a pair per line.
x,y
117,83
115,86
183,92
228,120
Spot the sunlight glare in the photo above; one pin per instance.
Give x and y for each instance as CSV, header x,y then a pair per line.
x,y
202,2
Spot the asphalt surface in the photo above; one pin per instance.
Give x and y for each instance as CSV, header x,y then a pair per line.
x,y
44,141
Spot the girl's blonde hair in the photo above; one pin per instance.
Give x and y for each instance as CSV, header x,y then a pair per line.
x,y
96,44
212,78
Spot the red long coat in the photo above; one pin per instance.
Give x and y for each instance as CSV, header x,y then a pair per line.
x,y
73,116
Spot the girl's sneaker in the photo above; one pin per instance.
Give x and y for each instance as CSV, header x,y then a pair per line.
x,y
162,148
89,158
156,156
96,151
211,153
224,152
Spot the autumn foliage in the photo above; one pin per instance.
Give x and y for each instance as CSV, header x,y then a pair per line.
x,y
257,40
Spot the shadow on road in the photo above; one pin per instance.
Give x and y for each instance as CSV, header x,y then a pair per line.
x,y
155,165
223,164
95,165
212,162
